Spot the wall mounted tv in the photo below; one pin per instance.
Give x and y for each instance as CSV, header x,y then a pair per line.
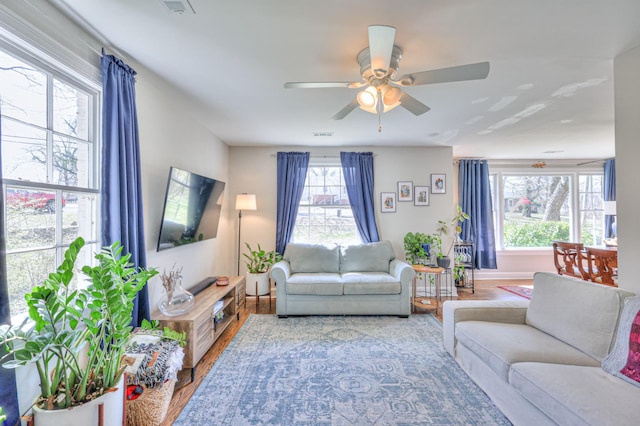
x,y
192,207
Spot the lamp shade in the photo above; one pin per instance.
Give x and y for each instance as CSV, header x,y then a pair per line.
x,y
246,202
610,208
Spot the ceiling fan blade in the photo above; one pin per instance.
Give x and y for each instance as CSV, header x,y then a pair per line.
x,y
476,71
413,105
381,39
323,84
346,110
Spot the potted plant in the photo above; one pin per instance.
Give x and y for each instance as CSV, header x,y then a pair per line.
x,y
444,226
417,247
258,263
76,337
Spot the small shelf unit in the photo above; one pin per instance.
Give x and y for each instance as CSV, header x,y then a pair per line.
x,y
466,251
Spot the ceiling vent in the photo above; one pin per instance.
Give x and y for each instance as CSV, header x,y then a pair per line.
x,y
178,6
323,134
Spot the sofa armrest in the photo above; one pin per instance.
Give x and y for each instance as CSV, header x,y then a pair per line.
x,y
404,273
454,311
280,273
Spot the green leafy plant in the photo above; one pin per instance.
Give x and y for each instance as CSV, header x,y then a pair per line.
x,y
259,261
413,245
444,226
3,416
64,319
167,333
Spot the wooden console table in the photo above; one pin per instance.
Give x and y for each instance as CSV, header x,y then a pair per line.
x,y
199,323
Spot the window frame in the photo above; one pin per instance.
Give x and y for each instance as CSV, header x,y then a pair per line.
x,y
333,162
56,71
498,172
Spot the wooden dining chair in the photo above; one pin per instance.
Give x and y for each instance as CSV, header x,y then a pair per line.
x,y
602,265
569,259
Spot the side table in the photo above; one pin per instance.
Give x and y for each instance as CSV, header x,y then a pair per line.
x,y
437,272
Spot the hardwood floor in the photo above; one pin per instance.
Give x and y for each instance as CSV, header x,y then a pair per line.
x,y
485,290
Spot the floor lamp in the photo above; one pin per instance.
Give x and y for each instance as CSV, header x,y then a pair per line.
x,y
244,201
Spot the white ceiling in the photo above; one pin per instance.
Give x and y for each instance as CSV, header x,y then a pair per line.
x,y
549,93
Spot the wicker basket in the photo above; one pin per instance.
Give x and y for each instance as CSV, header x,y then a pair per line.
x,y
150,408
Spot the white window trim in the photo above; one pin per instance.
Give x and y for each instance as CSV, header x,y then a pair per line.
x,y
525,170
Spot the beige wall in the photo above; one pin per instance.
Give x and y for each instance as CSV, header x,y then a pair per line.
x,y
627,109
253,170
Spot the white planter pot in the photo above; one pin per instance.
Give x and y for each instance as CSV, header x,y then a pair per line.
x,y
262,286
86,414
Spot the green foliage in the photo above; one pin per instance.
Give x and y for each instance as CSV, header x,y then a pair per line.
x,y
167,333
535,234
64,320
259,261
444,226
3,416
413,245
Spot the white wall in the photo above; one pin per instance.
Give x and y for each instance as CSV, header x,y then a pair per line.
x,y
253,170
627,108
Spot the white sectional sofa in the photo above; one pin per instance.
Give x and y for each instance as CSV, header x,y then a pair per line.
x,y
363,279
540,360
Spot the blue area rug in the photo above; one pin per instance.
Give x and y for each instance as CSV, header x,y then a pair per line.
x,y
338,371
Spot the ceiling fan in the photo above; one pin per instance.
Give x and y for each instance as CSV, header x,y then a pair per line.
x,y
379,67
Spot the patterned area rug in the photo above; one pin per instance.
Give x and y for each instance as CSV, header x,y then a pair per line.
x,y
521,290
338,371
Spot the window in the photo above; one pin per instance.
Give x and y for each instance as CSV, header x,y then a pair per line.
x,y
324,214
49,156
537,208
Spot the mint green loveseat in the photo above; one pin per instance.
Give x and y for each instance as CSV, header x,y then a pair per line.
x,y
363,279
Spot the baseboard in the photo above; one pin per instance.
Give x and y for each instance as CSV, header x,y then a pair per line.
x,y
497,275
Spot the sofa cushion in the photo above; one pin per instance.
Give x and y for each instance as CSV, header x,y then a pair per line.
x,y
372,257
312,258
624,359
500,345
370,283
315,284
576,395
580,313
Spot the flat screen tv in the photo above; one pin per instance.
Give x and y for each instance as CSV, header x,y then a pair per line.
x,y
192,207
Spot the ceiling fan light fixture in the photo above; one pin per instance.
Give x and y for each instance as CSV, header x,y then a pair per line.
x,y
368,99
391,95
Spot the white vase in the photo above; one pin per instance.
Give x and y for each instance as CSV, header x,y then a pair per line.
x,y
262,281
87,413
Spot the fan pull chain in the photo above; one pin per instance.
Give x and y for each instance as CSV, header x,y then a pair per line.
x,y
380,110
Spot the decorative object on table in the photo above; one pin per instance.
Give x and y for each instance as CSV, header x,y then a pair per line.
x,y
444,226
64,321
405,191
420,195
244,201
611,210
258,263
153,358
222,281
388,202
438,183
177,301
417,248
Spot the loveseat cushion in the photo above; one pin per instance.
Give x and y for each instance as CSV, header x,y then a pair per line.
x,y
500,345
370,283
371,257
580,313
576,395
312,258
315,284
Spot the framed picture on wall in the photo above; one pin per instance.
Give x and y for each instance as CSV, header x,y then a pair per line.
x,y
438,183
405,191
388,202
420,195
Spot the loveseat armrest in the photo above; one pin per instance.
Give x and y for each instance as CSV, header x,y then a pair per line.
x,y
404,273
454,311
280,273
